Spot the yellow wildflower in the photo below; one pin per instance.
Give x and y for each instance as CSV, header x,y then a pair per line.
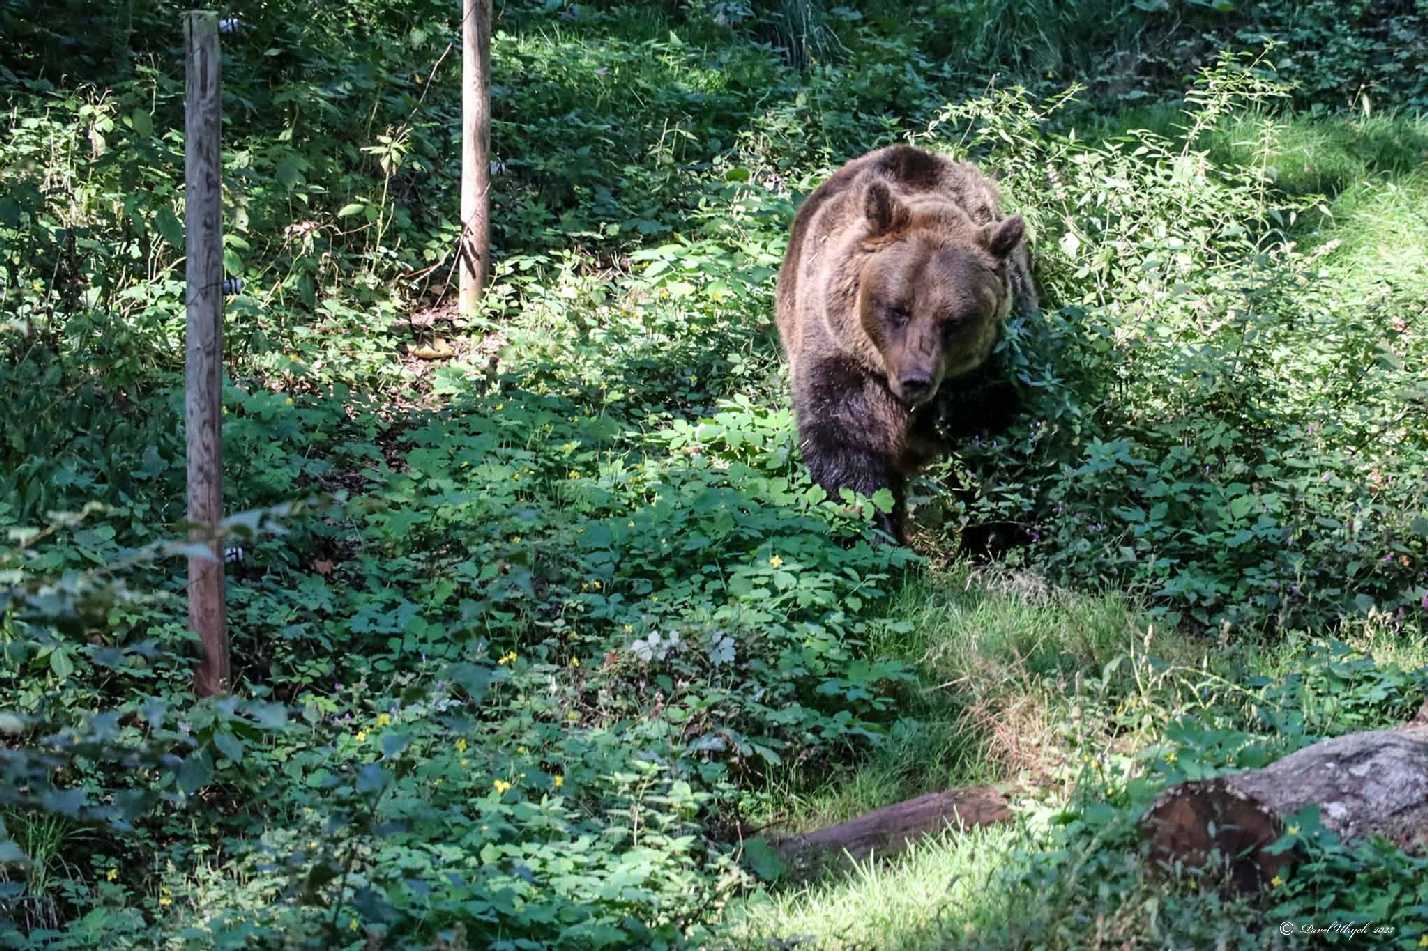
x,y
1423,941
112,874
1293,830
165,901
629,629
575,662
507,658
559,780
573,715
461,745
384,719
500,786
1276,881
353,926
776,561
1171,757
361,736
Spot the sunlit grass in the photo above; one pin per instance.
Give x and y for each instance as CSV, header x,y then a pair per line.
x,y
1002,658
1381,234
939,893
1323,155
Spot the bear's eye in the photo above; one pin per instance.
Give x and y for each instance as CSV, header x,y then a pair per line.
x,y
898,316
953,324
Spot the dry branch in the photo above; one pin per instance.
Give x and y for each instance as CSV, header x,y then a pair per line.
x,y
891,828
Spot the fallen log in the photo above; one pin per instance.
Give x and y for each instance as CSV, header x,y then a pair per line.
x,y
889,829
1373,783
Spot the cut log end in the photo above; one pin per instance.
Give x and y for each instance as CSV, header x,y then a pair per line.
x,y
1191,822
1363,784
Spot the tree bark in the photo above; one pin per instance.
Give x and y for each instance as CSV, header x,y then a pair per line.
x,y
203,401
475,249
1373,783
890,829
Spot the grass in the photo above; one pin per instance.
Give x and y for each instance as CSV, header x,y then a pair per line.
x,y
50,842
1379,230
1005,663
1304,153
1057,696
937,894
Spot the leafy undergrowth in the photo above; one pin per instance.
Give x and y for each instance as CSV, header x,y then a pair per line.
x,y
1082,709
529,640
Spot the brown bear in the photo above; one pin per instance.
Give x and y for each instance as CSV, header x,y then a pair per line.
x,y
899,273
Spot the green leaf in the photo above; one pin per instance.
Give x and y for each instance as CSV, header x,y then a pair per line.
x,y
288,172
195,772
883,500
168,226
64,801
232,262
60,663
11,854
763,860
470,678
229,745
394,743
271,716
371,778
355,208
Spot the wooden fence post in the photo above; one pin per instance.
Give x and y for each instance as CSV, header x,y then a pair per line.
x,y
203,402
475,244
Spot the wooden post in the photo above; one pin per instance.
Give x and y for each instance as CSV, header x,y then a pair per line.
x,y
475,152
203,403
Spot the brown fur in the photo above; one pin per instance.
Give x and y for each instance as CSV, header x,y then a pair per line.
x,y
899,272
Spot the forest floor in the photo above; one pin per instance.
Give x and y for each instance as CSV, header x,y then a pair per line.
x,y
559,622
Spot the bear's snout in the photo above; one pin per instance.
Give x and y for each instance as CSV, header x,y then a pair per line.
x,y
914,389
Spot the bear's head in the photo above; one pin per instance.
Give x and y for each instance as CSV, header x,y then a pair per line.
x,y
933,289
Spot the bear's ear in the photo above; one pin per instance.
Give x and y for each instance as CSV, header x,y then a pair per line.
x,y
885,213
1000,237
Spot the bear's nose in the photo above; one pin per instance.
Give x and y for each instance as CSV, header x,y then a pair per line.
x,y
915,387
